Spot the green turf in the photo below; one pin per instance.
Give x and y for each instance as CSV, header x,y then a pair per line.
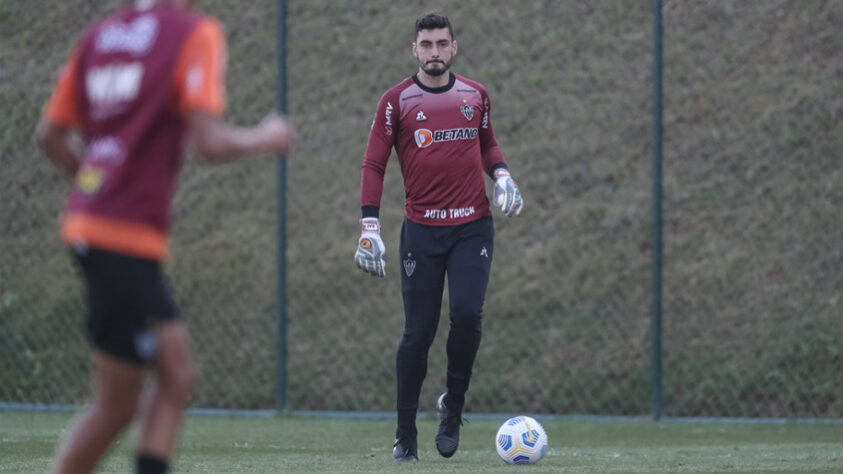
x,y
308,444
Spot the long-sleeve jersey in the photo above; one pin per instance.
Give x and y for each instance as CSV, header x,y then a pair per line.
x,y
445,143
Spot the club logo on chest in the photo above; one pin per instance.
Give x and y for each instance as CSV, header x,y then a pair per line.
x,y
467,111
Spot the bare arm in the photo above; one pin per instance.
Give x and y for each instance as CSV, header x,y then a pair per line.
x,y
216,141
59,144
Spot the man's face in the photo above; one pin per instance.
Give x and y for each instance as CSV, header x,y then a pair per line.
x,y
435,51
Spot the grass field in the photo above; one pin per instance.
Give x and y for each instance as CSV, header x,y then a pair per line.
x,y
311,444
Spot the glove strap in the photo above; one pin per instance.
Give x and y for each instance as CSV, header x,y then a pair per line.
x,y
501,173
370,224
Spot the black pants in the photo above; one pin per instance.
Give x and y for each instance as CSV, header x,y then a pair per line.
x,y
427,254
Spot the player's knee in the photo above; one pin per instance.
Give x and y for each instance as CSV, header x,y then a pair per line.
x,y
417,341
119,411
465,314
178,382
186,379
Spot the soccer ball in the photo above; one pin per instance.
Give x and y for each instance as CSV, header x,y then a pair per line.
x,y
521,440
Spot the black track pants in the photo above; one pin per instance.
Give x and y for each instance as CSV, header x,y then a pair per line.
x,y
427,254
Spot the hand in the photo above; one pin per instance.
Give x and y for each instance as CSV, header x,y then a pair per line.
x,y
371,253
507,195
276,133
216,141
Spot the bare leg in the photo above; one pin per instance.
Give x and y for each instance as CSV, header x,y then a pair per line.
x,y
174,374
117,386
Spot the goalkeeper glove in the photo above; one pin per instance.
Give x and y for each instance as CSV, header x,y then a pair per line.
x,y
371,253
507,196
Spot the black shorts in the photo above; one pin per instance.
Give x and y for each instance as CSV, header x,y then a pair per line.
x,y
127,298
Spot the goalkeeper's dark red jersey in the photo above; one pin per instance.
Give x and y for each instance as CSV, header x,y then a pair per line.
x,y
445,143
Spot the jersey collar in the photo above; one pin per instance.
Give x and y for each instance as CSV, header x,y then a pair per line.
x,y
452,79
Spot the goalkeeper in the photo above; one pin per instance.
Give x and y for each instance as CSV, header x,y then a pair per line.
x,y
440,126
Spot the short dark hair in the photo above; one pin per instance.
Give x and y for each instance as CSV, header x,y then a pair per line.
x,y
433,21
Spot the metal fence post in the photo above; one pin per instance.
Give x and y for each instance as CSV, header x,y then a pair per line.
x,y
281,348
657,212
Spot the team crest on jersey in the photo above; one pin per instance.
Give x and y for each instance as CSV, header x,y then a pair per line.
x,y
420,117
409,266
467,111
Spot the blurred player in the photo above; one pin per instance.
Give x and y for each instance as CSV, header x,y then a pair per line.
x,y
137,87
440,126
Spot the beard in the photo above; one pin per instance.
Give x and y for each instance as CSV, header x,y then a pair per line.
x,y
435,71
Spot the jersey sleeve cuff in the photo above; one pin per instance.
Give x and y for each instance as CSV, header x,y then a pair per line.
x,y
370,211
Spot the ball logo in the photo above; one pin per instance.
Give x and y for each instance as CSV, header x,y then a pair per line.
x,y
424,138
366,244
530,437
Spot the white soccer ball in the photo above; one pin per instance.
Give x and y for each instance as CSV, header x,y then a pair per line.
x,y
521,440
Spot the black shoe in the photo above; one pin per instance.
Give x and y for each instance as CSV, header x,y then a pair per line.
x,y
405,449
448,437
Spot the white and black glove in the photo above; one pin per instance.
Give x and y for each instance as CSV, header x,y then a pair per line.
x,y
507,196
371,253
